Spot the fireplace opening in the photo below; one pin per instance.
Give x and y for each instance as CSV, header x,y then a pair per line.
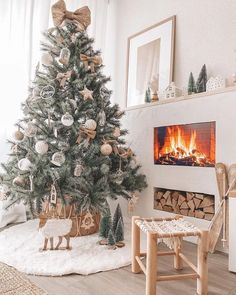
x,y
185,145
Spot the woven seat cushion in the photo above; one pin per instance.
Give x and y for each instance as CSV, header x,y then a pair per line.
x,y
168,229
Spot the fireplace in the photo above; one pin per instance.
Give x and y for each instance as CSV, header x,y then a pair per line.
x,y
185,145
192,204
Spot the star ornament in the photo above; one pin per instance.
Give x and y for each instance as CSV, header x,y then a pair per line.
x,y
88,221
87,94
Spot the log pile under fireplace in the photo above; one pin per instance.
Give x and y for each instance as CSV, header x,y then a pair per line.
x,y
185,203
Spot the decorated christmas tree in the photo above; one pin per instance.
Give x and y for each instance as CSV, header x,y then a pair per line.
x,y
69,145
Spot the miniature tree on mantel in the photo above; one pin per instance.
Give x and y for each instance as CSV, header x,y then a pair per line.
x,y
202,80
69,142
191,85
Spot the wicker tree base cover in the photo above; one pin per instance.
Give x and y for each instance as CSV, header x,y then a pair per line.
x,y
83,224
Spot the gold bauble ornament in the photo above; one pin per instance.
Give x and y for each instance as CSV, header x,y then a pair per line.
x,y
18,135
106,149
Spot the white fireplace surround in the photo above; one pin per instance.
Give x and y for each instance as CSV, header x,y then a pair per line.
x,y
204,107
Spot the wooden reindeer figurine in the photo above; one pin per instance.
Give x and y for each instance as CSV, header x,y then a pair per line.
x,y
51,228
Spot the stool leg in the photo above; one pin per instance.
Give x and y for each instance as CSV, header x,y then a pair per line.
x,y
151,265
178,262
135,245
202,282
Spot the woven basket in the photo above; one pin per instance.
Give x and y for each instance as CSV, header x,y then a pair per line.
x,y
82,225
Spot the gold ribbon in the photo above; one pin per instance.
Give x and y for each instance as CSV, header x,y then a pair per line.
x,y
81,17
62,77
88,132
91,61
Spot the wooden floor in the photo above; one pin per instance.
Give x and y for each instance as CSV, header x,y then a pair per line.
x,y
123,282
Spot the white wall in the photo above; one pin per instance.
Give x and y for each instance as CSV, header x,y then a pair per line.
x,y
205,33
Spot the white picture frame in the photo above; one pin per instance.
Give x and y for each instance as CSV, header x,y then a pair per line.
x,y
156,42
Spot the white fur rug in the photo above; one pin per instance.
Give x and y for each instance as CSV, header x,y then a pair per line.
x,y
19,247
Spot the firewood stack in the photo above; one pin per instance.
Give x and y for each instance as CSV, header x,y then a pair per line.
x,y
185,203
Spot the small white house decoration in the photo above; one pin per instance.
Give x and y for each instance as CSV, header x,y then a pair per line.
x,y
171,91
214,83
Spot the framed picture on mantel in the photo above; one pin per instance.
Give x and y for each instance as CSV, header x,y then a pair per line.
x,y
150,60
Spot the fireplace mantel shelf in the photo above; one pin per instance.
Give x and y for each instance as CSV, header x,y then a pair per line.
x,y
181,98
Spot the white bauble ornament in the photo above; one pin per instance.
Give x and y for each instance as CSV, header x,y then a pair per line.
x,y
46,59
30,129
78,170
19,180
18,135
47,92
41,147
24,164
67,120
116,132
58,158
90,124
106,149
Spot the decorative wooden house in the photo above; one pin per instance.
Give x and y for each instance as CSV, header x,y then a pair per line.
x,y
215,83
171,91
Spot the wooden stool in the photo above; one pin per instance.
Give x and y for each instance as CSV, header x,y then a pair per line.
x,y
172,229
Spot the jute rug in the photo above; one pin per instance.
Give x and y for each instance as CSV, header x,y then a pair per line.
x,y
13,282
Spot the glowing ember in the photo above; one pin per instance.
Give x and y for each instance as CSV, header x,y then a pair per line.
x,y
182,145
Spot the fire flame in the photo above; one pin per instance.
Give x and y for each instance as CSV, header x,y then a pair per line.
x,y
181,146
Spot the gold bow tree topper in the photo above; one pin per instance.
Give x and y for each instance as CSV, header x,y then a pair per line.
x,y
80,17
